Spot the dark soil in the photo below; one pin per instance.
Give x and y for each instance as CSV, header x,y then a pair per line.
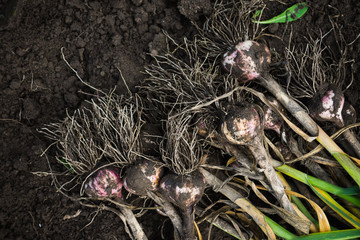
x,y
99,39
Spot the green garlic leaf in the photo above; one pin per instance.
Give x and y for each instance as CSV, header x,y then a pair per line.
x,y
291,14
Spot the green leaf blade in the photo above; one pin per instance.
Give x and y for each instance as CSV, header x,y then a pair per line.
x,y
291,14
341,211
333,235
344,193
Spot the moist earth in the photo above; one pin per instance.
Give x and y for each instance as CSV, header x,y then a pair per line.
x,y
103,41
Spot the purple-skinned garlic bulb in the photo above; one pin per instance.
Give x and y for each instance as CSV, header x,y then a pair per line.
x,y
143,176
272,120
243,125
327,105
184,191
106,182
247,60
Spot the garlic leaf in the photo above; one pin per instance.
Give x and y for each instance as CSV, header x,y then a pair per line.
x,y
291,14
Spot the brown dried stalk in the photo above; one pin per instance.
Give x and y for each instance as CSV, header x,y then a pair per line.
x,y
241,201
